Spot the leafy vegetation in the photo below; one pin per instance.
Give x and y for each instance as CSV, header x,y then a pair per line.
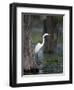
x,y
51,59
36,37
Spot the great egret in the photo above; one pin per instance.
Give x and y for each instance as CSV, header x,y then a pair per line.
x,y
40,45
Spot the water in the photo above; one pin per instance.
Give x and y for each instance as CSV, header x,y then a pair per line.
x,y
54,63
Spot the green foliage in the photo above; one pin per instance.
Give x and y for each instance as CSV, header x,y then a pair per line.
x,y
51,59
36,37
51,63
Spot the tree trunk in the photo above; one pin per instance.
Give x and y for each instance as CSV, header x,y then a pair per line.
x,y
28,62
50,41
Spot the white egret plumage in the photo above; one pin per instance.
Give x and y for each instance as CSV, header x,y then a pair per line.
x,y
40,45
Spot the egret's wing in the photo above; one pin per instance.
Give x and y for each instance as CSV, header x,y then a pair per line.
x,y
37,47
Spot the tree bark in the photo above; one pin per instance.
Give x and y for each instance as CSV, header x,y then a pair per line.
x,y
28,61
50,41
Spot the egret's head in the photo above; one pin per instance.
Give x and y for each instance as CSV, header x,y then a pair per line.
x,y
46,34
